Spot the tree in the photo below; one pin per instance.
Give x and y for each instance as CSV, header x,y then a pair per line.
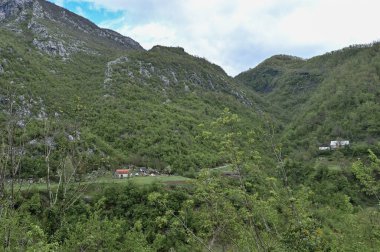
x,y
12,151
367,175
236,145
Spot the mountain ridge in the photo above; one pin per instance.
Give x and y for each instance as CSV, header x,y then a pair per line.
x,y
55,30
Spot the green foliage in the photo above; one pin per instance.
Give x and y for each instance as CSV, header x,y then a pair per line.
x,y
164,109
146,112
325,98
95,234
368,175
21,231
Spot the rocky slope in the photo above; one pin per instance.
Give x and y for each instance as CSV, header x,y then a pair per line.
x,y
57,31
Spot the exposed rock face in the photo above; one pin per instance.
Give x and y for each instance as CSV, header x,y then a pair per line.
x,y
126,41
10,8
75,22
38,11
108,72
15,14
164,78
50,47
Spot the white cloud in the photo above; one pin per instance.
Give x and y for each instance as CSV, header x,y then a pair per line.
x,y
239,34
332,23
151,34
80,11
59,2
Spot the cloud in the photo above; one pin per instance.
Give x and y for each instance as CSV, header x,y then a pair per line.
x,y
151,34
59,2
80,12
239,34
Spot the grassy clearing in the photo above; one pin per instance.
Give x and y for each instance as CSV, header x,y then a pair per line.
x,y
225,168
143,180
337,165
109,180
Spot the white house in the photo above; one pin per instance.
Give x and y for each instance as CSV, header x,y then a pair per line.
x,y
339,143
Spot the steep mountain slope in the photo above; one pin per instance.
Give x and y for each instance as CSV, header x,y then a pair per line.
x,y
71,83
57,31
333,96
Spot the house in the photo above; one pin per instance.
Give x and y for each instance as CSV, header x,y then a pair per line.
x,y
339,144
122,173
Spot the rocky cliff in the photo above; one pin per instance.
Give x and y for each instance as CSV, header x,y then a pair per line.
x,y
57,31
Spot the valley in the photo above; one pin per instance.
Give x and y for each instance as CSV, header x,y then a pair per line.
x,y
78,102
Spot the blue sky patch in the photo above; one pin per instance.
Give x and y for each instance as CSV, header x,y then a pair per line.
x,y
92,12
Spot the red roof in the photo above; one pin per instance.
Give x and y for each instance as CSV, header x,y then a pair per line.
x,y
122,171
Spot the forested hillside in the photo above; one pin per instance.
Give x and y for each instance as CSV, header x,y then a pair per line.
x,y
123,104
333,96
78,103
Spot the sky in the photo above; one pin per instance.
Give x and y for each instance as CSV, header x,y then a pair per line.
x,y
238,34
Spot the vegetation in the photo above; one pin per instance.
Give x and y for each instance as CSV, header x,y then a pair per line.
x,y
325,98
252,178
255,209
137,119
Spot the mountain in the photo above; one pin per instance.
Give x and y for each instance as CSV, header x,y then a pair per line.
x,y
128,105
73,83
328,97
285,81
78,102
57,31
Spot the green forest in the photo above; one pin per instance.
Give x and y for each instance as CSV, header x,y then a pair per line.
x,y
218,163
287,206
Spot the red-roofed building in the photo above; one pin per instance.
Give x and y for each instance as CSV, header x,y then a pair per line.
x,y
122,173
